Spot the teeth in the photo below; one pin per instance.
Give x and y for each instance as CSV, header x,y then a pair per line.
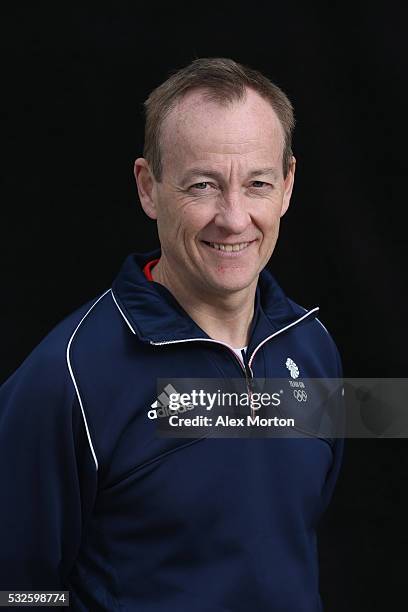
x,y
229,247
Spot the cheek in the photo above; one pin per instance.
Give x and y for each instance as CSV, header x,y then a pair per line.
x,y
267,216
169,216
178,222
195,216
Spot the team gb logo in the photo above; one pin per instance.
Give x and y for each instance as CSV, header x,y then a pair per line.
x,y
292,367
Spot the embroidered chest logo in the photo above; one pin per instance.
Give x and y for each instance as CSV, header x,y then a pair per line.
x,y
298,386
292,367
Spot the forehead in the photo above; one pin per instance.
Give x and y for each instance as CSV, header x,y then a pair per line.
x,y
198,129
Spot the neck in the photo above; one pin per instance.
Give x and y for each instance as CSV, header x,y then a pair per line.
x,y
224,317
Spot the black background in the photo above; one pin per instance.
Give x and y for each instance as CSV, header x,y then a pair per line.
x,y
73,83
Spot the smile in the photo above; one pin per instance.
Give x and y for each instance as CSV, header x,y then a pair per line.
x,y
228,248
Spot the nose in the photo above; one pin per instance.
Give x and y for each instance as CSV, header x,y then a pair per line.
x,y
232,216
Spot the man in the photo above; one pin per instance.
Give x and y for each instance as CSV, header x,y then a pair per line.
x,y
94,501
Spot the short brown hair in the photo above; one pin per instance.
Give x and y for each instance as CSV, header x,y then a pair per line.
x,y
224,81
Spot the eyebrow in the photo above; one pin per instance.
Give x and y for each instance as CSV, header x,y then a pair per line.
x,y
265,171
193,172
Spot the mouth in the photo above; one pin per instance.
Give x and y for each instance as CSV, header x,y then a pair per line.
x,y
224,248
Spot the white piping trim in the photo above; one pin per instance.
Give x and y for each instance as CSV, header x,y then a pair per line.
x,y
164,342
121,312
192,340
319,321
73,377
308,312
201,340
280,331
325,329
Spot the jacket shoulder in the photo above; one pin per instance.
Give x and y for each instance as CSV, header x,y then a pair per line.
x,y
49,356
316,333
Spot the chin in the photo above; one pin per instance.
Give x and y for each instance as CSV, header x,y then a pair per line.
x,y
232,284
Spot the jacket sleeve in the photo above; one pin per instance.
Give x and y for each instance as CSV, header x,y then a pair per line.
x,y
47,474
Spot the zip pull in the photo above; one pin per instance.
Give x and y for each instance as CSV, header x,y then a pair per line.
x,y
248,376
248,372
249,381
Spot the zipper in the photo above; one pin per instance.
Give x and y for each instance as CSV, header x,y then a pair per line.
x,y
250,385
246,366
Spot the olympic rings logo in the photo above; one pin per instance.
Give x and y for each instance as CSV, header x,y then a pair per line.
x,y
300,395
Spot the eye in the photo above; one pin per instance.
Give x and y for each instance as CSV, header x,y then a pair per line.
x,y
259,184
201,186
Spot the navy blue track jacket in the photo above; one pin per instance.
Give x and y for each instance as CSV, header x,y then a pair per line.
x,y
93,501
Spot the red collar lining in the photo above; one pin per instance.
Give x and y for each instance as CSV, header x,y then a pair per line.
x,y
147,270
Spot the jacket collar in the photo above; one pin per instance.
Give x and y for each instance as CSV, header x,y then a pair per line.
x,y
154,315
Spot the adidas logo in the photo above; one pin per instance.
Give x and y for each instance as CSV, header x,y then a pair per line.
x,y
160,407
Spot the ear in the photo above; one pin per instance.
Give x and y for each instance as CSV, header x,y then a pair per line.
x,y
288,186
146,187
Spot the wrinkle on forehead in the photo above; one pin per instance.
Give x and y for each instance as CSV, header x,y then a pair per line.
x,y
198,128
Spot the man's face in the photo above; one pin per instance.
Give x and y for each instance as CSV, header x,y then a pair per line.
x,y
222,192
